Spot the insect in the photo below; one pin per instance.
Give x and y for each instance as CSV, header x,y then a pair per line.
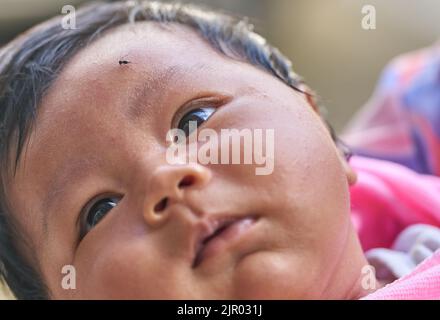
x,y
123,61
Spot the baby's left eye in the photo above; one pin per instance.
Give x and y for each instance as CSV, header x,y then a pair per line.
x,y
197,116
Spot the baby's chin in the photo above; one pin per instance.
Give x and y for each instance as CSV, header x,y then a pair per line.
x,y
277,275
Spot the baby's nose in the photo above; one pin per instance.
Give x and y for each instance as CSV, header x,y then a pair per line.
x,y
168,185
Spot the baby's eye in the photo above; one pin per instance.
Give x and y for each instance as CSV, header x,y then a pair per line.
x,y
98,210
198,116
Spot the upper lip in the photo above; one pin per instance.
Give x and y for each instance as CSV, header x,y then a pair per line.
x,y
208,230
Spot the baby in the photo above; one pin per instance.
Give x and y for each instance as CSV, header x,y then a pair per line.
x,y
87,190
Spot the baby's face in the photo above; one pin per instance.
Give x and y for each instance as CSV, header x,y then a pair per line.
x,y
95,190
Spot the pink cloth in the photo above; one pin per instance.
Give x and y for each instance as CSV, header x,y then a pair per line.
x,y
422,283
386,199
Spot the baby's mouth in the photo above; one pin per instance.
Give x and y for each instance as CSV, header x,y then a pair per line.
x,y
223,232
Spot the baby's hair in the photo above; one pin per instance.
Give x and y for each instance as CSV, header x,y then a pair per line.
x,y
31,63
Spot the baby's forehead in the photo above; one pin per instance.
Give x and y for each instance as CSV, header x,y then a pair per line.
x,y
143,47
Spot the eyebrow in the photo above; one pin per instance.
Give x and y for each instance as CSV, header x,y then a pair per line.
x,y
81,168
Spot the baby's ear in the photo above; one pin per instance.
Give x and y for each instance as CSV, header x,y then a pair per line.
x,y
344,158
311,98
349,172
344,154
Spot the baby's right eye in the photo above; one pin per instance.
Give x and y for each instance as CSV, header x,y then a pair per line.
x,y
97,211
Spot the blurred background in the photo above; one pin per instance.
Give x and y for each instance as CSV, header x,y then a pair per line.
x,y
324,39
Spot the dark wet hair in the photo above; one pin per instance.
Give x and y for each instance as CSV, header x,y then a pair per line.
x,y
31,63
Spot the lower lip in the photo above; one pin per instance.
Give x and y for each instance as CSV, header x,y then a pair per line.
x,y
224,239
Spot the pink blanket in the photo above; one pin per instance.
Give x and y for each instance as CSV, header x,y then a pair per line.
x,y
386,199
422,283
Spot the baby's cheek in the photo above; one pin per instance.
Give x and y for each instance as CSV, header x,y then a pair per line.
x,y
126,269
281,274
312,187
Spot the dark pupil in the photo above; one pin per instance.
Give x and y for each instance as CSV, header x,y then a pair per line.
x,y
98,211
197,115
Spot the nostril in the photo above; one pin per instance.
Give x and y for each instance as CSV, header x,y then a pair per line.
x,y
161,205
186,182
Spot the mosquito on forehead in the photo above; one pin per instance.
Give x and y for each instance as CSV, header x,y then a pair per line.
x,y
124,61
